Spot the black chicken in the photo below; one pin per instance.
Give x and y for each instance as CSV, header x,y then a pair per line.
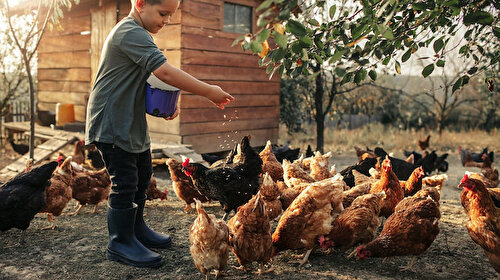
x,y
19,148
24,196
231,185
94,158
362,167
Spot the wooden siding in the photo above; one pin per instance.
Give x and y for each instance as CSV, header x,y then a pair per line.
x,y
207,54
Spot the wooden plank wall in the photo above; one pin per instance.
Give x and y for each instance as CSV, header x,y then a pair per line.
x,y
64,62
207,54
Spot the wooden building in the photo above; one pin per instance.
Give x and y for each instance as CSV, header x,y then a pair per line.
x,y
197,40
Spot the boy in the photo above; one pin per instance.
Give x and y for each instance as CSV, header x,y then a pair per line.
x,y
116,124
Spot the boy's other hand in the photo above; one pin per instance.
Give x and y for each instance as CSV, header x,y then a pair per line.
x,y
219,97
176,113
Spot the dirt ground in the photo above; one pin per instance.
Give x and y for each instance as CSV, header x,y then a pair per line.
x,y
76,248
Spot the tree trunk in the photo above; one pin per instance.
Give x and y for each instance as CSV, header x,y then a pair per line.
x,y
320,117
32,107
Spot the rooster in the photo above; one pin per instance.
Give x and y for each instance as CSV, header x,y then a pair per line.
x,y
484,218
209,239
250,233
232,185
24,196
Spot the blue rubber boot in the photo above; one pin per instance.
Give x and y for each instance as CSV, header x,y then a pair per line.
x,y
147,236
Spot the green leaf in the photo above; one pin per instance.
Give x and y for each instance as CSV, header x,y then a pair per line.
x,y
269,68
397,66
440,63
359,76
388,33
472,70
428,70
306,41
256,47
336,56
496,31
450,3
280,39
347,78
313,22
296,28
266,4
406,56
438,45
457,84
238,40
419,6
318,58
332,11
296,48
263,35
480,17
372,74
386,60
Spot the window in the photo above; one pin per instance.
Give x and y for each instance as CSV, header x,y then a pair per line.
x,y
237,18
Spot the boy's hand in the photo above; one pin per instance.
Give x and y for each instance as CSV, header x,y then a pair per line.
x,y
176,113
219,97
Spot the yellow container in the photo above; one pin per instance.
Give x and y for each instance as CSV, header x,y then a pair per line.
x,y
65,113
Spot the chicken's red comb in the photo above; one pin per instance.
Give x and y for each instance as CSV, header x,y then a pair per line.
x,y
60,159
465,178
186,162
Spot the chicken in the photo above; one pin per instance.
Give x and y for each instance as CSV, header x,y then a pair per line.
x,y
360,178
309,216
182,184
390,184
362,167
209,239
94,158
495,196
435,180
320,166
489,171
288,195
351,194
250,233
480,176
152,192
424,144
414,183
232,186
484,218
271,196
409,231
363,154
270,164
466,155
293,174
24,196
78,152
59,193
19,148
357,223
89,187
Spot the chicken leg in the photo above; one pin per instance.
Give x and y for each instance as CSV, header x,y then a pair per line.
x,y
262,270
52,222
77,210
409,266
306,257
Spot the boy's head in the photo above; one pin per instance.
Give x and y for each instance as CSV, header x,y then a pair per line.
x,y
154,14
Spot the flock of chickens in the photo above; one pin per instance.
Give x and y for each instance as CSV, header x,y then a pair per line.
x,y
315,206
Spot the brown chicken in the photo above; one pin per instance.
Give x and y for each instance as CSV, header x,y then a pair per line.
x,y
270,164
271,196
78,152
489,171
435,180
320,166
58,194
480,176
309,216
409,231
358,190
250,233
209,239
484,218
360,178
357,223
363,154
390,184
288,195
414,183
90,187
424,144
152,192
293,174
182,184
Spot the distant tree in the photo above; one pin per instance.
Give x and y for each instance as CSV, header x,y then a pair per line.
x,y
44,13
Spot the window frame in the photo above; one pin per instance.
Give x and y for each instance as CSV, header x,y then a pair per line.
x,y
248,3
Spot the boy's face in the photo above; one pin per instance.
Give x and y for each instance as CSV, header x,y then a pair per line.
x,y
154,17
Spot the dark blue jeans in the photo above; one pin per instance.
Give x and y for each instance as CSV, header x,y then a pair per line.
x,y
130,174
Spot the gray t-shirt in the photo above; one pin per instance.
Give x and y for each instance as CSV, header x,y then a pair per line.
x,y
116,112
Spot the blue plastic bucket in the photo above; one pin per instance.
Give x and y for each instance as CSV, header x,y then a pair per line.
x,y
161,102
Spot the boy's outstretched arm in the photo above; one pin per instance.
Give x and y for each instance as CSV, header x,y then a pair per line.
x,y
182,80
